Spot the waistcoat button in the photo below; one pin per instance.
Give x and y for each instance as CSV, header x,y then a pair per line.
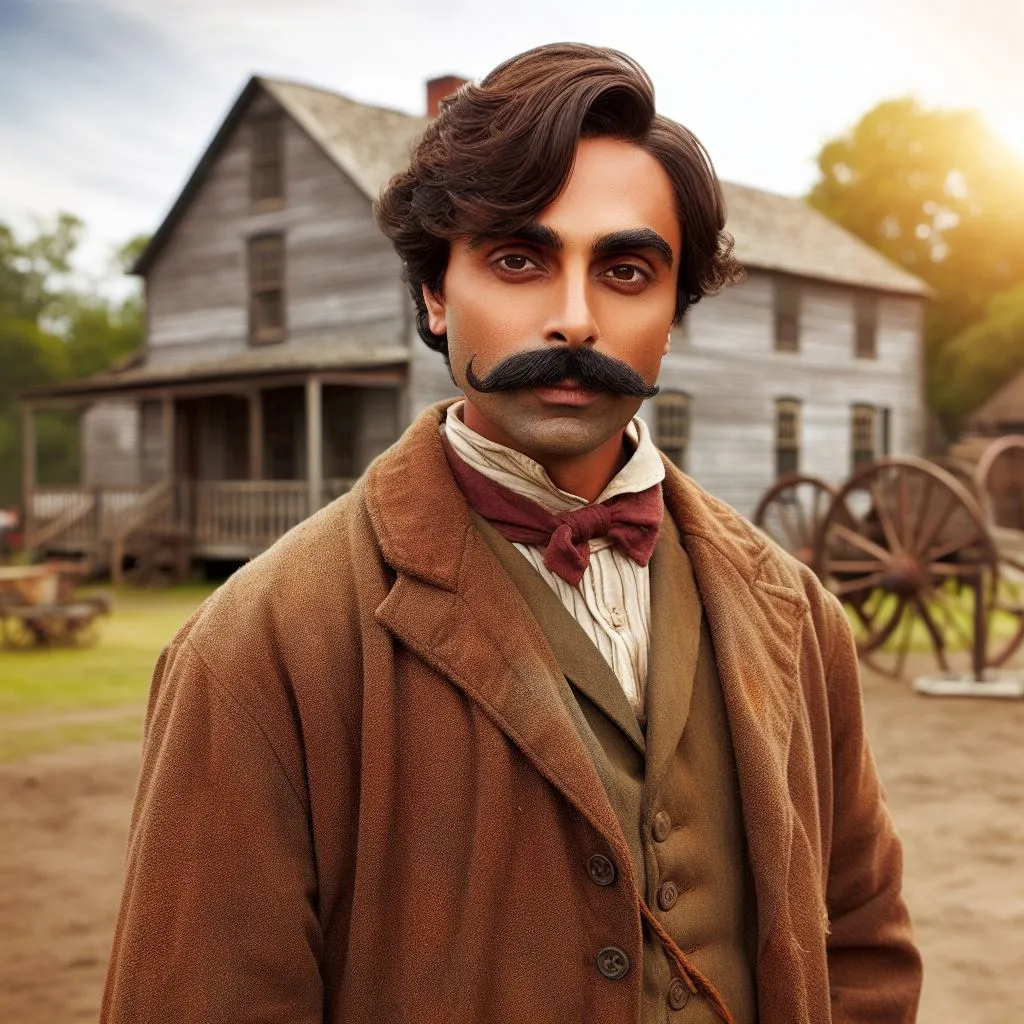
x,y
667,895
661,827
613,963
678,994
601,869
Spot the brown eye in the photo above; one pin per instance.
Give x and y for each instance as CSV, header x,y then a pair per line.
x,y
627,273
514,262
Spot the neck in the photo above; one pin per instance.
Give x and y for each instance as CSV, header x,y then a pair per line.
x,y
585,475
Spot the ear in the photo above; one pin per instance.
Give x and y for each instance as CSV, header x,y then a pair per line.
x,y
668,343
436,319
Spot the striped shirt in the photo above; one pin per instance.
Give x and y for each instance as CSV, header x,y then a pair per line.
x,y
612,603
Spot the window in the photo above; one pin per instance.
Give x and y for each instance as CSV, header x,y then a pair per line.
x,y
267,164
864,436
884,428
865,308
787,437
266,289
787,315
672,426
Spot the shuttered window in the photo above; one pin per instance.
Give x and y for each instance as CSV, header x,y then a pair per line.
x,y
267,159
266,289
787,314
864,438
866,326
672,426
787,437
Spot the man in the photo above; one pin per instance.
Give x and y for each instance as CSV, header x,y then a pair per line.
x,y
527,727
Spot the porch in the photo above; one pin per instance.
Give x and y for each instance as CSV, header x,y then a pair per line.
x,y
201,471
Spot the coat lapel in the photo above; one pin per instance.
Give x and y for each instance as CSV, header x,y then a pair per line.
x,y
755,622
675,644
580,661
454,607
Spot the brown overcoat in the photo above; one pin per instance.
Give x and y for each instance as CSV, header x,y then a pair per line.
x,y
361,799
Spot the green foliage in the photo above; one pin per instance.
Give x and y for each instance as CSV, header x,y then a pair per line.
x,y
975,363
938,193
50,332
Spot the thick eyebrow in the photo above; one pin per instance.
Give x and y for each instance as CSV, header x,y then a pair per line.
x,y
632,239
627,240
533,233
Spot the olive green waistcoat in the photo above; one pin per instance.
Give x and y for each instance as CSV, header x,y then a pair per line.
x,y
671,782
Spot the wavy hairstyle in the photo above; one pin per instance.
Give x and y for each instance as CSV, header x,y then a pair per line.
x,y
501,151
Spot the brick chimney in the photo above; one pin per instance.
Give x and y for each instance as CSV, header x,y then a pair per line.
x,y
439,89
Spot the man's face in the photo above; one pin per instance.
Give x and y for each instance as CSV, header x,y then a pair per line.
x,y
596,270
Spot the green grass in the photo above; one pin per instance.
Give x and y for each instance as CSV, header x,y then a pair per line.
x,y
112,674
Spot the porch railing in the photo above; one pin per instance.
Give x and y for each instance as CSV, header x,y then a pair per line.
x,y
243,515
79,516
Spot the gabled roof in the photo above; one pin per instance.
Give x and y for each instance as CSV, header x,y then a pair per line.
x,y
370,144
1003,409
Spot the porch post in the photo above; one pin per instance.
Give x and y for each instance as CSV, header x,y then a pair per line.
x,y
167,410
255,435
314,443
28,468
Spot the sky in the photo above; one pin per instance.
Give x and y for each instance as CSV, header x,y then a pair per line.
x,y
107,105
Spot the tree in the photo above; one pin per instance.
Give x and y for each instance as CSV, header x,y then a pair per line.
x,y
50,332
938,193
979,360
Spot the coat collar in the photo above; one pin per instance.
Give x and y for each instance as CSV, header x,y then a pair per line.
x,y
454,607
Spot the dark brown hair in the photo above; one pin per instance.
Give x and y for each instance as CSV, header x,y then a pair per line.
x,y
502,151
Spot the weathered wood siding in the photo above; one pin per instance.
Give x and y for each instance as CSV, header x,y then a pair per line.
x,y
726,362
342,276
109,434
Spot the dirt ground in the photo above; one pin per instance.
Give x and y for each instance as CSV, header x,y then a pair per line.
x,y
953,770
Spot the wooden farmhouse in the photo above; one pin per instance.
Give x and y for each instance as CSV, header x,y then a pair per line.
x,y
281,355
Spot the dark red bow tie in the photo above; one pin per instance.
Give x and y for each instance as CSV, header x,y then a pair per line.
x,y
631,521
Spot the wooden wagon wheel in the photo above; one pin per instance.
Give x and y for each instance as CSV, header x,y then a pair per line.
x,y
791,513
999,479
906,548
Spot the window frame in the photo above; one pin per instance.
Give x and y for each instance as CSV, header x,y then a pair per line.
x,y
787,306
269,285
788,447
862,455
677,435
267,162
865,325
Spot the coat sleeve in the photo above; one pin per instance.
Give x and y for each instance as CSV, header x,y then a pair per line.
x,y
874,965
218,917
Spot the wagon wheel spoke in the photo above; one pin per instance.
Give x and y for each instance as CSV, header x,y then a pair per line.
x,y
792,530
806,533
937,554
862,542
862,566
902,504
942,604
946,569
816,509
904,641
933,522
923,509
933,632
859,585
888,527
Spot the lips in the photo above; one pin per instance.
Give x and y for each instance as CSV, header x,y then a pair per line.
x,y
567,392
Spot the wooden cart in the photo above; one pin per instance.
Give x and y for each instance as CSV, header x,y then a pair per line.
x,y
914,551
38,606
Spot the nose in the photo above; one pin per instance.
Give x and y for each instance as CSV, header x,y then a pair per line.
x,y
571,320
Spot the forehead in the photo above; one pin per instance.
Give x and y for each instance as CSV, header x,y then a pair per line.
x,y
614,186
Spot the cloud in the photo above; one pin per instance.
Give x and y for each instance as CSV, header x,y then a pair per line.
x,y
114,101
